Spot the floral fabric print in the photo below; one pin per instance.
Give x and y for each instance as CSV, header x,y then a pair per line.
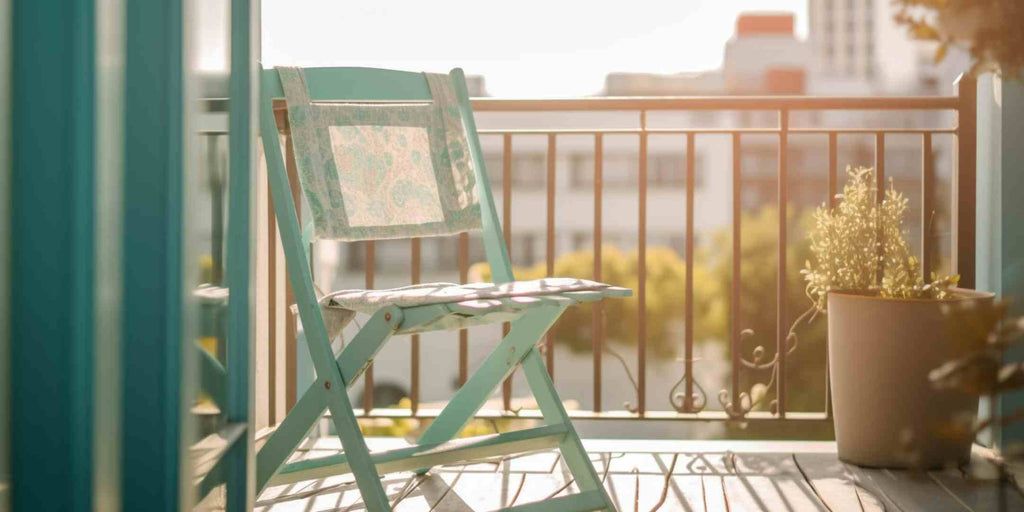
x,y
396,181
382,171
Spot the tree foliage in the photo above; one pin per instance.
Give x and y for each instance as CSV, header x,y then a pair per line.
x,y
665,297
989,29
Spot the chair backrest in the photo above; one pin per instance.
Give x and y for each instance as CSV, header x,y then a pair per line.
x,y
375,86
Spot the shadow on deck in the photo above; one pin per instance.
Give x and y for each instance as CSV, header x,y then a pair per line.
x,y
664,475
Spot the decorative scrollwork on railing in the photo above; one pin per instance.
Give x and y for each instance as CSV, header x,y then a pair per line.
x,y
697,401
747,401
687,404
632,380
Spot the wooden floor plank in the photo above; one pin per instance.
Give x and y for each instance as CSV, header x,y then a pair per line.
x,y
769,493
908,491
689,493
768,481
714,494
835,484
761,476
471,491
978,495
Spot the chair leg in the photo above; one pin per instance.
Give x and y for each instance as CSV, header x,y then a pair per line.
x,y
330,391
289,433
551,408
358,455
525,333
297,424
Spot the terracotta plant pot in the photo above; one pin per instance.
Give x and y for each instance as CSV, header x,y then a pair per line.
x,y
885,410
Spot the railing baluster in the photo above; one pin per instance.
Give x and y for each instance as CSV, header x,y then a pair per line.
x,y
641,351
965,184
597,339
414,356
290,323
688,335
880,186
833,169
506,205
463,258
880,164
549,341
271,311
782,331
734,299
368,374
833,175
927,203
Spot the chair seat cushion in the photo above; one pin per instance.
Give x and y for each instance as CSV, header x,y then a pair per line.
x,y
369,301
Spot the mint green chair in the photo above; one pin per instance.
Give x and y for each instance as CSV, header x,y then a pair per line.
x,y
435,107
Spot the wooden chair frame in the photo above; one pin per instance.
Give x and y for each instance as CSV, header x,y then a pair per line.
x,y
531,318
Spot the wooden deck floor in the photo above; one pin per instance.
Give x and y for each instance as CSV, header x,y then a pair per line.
x,y
644,475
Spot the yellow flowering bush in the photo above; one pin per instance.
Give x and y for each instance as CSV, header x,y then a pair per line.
x,y
854,242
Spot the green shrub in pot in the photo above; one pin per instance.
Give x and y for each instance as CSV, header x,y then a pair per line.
x,y
886,330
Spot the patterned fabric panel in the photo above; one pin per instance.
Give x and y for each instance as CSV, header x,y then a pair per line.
x,y
368,301
396,181
374,172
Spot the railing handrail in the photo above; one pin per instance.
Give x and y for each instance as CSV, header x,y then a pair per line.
x,y
633,103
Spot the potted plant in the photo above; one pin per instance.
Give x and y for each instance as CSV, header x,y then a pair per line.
x,y
886,331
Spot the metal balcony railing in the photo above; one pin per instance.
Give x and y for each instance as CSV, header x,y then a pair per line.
x,y
688,400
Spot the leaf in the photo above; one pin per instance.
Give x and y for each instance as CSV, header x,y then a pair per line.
x,y
922,30
940,52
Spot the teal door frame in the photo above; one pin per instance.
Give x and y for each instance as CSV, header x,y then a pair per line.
x,y
51,267
240,475
5,247
101,366
159,357
154,440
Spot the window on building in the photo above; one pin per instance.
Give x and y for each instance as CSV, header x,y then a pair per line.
x,y
529,171
356,257
664,170
582,240
524,249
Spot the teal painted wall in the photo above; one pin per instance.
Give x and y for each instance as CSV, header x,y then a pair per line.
x,y
1012,234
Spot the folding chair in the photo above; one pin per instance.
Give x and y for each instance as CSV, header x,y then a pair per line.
x,y
349,129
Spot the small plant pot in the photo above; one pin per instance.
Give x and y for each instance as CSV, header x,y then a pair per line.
x,y
885,410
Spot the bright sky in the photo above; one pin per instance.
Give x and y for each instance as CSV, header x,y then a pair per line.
x,y
524,48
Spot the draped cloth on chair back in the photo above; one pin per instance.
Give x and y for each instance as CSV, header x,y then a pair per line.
x,y
378,171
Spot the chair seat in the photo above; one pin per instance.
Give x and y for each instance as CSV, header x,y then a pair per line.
x,y
369,301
